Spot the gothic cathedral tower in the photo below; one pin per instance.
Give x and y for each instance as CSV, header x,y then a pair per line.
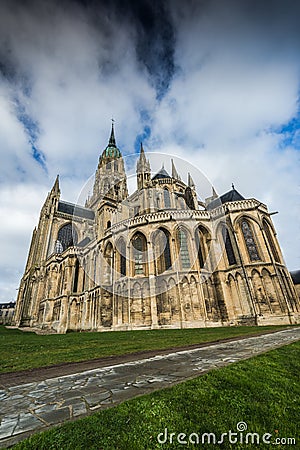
x,y
110,186
110,178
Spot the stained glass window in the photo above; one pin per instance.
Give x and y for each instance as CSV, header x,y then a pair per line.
x,y
167,199
184,250
122,252
67,237
250,242
162,250
139,247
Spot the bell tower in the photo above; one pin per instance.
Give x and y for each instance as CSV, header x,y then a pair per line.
x,y
110,178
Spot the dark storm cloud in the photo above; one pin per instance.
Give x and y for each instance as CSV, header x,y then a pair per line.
x,y
151,28
156,42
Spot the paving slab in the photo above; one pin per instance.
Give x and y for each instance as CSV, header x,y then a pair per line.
x,y
28,408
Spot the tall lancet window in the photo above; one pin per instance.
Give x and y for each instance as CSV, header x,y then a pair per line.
x,y
162,251
183,248
139,254
122,256
249,240
228,246
76,275
167,199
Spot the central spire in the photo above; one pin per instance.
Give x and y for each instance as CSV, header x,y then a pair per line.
x,y
112,140
111,151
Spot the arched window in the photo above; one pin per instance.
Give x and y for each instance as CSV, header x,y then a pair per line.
x,y
167,199
67,237
76,275
249,240
271,241
106,186
162,251
121,246
228,246
116,166
139,253
183,248
181,202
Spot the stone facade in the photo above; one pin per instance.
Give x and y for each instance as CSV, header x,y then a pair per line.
x,y
158,258
7,311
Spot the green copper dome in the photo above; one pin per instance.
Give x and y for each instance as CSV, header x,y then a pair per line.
x,y
111,152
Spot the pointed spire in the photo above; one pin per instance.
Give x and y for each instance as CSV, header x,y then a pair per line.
x,y
142,154
174,171
214,194
143,164
190,181
112,140
232,185
55,189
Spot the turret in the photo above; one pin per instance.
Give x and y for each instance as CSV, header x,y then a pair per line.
x,y
191,183
174,171
143,170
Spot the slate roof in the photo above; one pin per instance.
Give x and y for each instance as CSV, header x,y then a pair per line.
x,y
295,276
75,210
230,196
162,173
84,242
7,305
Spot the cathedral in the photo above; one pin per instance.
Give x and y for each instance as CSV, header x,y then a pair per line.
x,y
157,258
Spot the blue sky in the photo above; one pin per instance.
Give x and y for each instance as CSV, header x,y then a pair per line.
x,y
215,83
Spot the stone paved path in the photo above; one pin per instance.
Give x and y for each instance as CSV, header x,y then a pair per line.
x,y
30,407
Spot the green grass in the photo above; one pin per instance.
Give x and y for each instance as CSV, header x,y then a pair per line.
x,y
264,392
26,350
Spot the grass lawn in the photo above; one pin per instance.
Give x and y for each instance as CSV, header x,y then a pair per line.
x,y
263,392
26,350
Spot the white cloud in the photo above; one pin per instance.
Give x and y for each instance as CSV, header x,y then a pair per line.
x,y
19,211
72,69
